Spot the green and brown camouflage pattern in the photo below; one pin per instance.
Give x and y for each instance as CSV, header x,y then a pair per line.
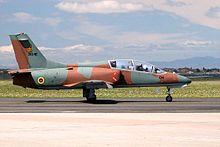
x,y
35,71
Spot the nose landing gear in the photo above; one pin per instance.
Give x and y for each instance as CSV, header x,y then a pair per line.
x,y
169,97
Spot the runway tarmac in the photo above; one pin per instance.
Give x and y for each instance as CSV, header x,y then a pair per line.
x,y
111,105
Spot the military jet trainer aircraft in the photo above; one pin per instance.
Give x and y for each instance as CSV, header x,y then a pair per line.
x,y
35,71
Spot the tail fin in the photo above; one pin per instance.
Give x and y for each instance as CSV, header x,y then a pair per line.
x,y
28,55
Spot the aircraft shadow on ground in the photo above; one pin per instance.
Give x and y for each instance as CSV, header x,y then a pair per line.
x,y
106,101
67,101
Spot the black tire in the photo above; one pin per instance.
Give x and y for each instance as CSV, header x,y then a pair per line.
x,y
91,100
169,98
90,95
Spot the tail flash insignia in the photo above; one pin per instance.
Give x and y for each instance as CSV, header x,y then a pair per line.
x,y
29,50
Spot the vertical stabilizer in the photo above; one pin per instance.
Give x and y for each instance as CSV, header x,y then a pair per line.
x,y
28,55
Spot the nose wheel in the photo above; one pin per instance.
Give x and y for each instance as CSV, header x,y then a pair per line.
x,y
169,97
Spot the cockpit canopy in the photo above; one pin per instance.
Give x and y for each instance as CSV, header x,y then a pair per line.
x,y
130,64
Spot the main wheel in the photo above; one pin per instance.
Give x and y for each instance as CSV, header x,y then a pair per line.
x,y
91,99
90,95
169,98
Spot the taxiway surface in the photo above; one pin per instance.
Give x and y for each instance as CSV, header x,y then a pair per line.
x,y
139,105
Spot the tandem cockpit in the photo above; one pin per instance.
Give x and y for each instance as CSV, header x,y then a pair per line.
x,y
134,65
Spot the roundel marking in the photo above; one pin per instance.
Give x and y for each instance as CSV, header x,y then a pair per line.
x,y
40,80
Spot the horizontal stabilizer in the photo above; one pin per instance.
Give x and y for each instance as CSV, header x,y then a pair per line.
x,y
20,71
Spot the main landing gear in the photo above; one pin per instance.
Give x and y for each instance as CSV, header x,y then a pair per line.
x,y
169,97
89,93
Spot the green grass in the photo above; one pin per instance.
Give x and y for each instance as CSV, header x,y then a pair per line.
x,y
198,89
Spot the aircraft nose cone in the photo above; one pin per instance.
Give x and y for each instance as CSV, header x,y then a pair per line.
x,y
183,79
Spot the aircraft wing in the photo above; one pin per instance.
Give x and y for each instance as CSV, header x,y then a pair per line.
x,y
91,83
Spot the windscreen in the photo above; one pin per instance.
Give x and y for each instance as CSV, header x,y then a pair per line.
x,y
146,67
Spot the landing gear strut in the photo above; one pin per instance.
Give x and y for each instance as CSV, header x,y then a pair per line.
x,y
89,93
169,97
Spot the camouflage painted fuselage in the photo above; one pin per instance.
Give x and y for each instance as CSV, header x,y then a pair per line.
x,y
35,71
97,74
